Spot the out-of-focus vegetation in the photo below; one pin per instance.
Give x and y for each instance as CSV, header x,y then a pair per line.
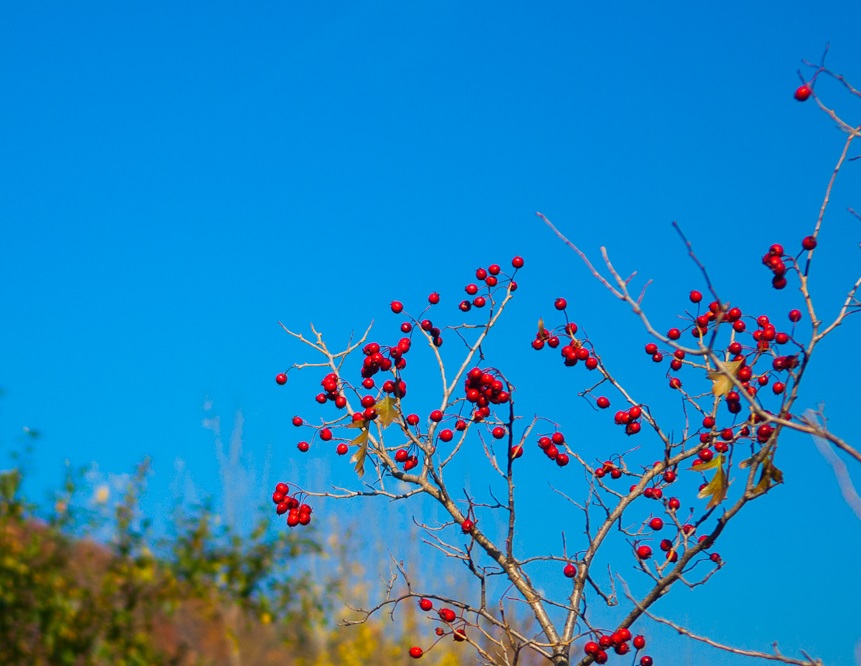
x,y
205,594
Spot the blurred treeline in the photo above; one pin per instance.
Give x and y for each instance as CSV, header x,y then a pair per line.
x,y
88,582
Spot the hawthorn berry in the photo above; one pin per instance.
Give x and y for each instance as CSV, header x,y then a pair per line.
x,y
447,614
656,523
479,301
303,447
562,459
603,402
494,269
803,92
646,661
416,652
695,296
795,316
809,243
433,299
281,378
674,504
326,434
446,435
515,451
401,455
466,526
425,604
436,416
397,307
342,449
570,571
560,304
413,419
639,642
591,648
498,432
517,262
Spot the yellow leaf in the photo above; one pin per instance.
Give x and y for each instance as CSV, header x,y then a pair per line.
x,y
722,384
387,411
714,463
716,488
359,456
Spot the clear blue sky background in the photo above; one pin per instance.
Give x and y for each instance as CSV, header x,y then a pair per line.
x,y
175,178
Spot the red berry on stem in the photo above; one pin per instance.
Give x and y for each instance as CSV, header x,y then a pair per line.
x,y
498,432
517,262
561,304
570,570
281,378
695,296
808,243
425,604
644,552
639,642
342,449
303,447
416,652
397,307
433,299
803,92
603,402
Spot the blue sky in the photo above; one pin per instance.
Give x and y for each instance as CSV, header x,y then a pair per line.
x,y
176,180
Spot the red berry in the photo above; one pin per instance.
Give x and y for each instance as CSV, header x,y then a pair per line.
x,y
644,552
447,614
675,383
282,488
436,416
639,642
695,296
803,92
342,449
303,447
416,652
674,504
808,243
651,349
591,648
479,301
401,455
515,451
325,434
425,604
466,526
493,269
446,435
472,289
570,571
281,378
656,523
561,304
413,419
517,262
498,432
557,438
794,316
397,307
562,459
433,299
603,402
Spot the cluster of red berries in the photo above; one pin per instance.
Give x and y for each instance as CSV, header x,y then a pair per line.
x,y
630,419
403,457
490,277
550,446
297,513
774,260
608,468
620,641
484,388
447,615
